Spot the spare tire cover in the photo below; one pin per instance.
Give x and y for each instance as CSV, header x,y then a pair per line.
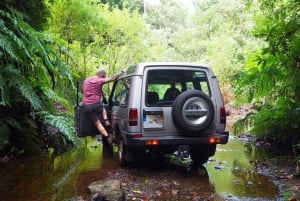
x,y
193,111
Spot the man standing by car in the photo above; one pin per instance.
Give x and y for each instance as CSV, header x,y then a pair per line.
x,y
92,100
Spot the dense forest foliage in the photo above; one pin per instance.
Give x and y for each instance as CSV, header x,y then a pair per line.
x,y
47,46
270,80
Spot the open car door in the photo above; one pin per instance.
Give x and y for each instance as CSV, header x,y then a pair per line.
x,y
83,125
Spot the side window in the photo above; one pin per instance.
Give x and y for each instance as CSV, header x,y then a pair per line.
x,y
189,86
204,87
200,82
120,96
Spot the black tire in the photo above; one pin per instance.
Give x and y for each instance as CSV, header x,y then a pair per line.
x,y
200,155
198,161
193,111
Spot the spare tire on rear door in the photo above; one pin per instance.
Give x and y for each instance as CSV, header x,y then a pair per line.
x,y
193,111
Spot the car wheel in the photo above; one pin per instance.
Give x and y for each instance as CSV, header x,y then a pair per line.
x,y
200,155
193,111
199,160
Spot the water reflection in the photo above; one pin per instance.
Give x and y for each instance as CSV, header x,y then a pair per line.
x,y
53,177
49,178
233,174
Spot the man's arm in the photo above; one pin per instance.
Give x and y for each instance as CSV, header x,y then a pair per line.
x,y
110,79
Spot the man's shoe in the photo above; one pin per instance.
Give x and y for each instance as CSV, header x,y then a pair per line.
x,y
110,139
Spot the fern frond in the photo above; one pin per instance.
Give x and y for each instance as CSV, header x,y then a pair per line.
x,y
61,67
13,123
12,34
6,46
20,84
56,97
63,124
29,94
37,44
4,92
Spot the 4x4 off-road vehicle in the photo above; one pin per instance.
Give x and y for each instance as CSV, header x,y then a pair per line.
x,y
166,107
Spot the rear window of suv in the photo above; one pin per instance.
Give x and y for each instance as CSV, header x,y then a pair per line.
x,y
163,86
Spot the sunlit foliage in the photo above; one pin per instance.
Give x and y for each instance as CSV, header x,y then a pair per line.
x,y
252,46
271,80
31,71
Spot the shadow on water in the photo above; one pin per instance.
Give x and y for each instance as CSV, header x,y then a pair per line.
x,y
229,173
54,178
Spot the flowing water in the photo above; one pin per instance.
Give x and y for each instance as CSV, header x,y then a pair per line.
x,y
56,178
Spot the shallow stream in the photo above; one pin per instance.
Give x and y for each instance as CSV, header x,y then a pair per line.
x,y
231,173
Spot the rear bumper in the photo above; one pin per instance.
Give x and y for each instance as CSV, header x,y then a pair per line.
x,y
134,140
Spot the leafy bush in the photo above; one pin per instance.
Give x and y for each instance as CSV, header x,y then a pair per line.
x,y
32,78
271,80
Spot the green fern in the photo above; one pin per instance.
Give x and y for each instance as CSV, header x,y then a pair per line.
x,y
12,35
4,97
63,124
29,94
6,45
271,80
32,77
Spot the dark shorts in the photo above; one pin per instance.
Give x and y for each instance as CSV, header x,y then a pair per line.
x,y
93,111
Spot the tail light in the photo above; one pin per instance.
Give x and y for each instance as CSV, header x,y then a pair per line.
x,y
214,140
133,117
222,115
151,142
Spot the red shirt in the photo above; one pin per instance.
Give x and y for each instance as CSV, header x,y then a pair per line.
x,y
92,90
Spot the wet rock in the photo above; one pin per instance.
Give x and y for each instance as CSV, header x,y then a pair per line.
x,y
106,190
78,198
98,197
218,167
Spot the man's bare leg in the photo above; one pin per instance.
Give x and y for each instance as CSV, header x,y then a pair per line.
x,y
105,119
103,131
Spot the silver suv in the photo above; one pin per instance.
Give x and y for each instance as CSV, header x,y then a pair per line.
x,y
166,107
